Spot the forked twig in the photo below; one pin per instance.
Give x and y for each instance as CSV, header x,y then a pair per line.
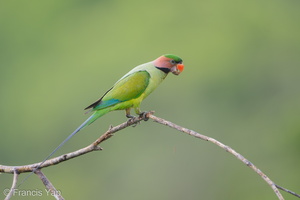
x,y
223,146
288,191
109,133
54,192
13,186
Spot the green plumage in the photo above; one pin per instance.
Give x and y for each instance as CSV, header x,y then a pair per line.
x,y
130,87
175,58
129,91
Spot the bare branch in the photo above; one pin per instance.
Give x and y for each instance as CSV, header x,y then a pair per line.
x,y
54,192
288,191
92,147
13,186
223,146
109,133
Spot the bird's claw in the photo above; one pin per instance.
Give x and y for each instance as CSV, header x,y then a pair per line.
x,y
135,124
130,121
130,116
144,115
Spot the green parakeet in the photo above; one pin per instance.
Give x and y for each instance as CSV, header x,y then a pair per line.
x,y
131,89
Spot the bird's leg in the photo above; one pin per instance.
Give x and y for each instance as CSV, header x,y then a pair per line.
x,y
141,114
131,117
128,115
144,115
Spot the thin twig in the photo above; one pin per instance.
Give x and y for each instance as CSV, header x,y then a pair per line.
x,y
109,133
54,192
13,186
288,191
92,147
223,146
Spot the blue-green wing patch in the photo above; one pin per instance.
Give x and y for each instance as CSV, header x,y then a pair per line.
x,y
130,87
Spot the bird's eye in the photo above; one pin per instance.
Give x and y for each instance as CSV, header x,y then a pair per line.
x,y
172,62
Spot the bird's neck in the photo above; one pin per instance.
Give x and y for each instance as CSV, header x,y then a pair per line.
x,y
166,70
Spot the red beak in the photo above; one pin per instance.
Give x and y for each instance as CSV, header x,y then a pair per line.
x,y
177,69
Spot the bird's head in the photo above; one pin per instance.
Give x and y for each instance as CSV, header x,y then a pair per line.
x,y
169,63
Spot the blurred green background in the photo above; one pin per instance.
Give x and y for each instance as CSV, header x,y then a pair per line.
x,y
240,86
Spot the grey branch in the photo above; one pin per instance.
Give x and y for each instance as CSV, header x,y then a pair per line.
x,y
92,147
109,133
223,146
13,186
288,191
54,192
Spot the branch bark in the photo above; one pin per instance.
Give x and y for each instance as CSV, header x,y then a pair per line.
x,y
92,147
223,146
13,186
109,133
54,192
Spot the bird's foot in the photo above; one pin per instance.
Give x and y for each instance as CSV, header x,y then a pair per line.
x,y
130,116
144,115
135,124
131,119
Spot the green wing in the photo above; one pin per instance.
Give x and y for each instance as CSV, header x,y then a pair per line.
x,y
130,87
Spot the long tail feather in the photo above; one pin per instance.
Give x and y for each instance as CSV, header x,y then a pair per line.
x,y
87,122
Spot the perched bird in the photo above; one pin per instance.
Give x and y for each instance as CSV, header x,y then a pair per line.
x,y
134,87
131,90
128,92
